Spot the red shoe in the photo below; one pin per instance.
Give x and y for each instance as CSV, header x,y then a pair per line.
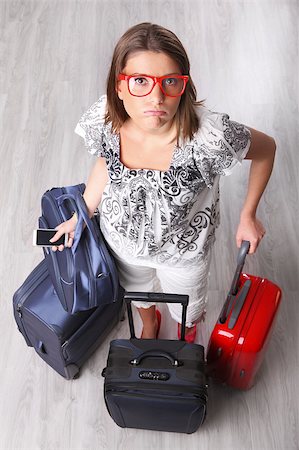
x,y
190,337
158,315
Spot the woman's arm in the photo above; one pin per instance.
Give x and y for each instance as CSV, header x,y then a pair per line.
x,y
95,186
262,153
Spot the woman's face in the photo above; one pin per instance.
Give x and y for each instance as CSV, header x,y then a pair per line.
x,y
154,112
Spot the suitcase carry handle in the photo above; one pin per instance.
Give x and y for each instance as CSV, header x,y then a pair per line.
x,y
234,287
155,354
83,217
159,298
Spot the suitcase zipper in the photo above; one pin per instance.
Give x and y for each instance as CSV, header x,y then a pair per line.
x,y
106,257
39,273
91,277
64,344
110,262
20,324
202,398
120,387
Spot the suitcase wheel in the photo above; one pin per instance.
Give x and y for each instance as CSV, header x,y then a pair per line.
x,y
72,372
77,375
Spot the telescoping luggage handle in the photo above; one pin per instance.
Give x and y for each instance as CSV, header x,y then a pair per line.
x,y
157,298
234,287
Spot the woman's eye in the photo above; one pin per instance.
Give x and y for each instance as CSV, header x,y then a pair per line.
x,y
170,81
140,80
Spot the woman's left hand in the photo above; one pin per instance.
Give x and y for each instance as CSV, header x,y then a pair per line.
x,y
252,230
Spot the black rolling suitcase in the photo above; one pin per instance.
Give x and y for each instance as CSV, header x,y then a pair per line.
x,y
156,384
65,341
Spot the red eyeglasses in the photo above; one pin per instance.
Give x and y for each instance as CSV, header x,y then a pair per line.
x,y
142,85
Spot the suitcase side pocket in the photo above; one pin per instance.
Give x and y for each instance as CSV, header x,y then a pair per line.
x,y
92,333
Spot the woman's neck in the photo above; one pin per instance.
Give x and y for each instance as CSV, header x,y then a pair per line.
x,y
166,135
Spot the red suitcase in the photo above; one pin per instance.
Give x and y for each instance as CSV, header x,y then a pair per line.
x,y
240,337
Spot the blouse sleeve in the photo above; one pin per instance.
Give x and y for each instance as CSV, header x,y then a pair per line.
x,y
221,144
91,127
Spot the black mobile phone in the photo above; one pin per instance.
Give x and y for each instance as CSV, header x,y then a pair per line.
x,y
42,237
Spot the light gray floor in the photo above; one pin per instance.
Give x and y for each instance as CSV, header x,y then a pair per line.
x,y
54,58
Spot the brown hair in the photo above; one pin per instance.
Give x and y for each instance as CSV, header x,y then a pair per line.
x,y
148,36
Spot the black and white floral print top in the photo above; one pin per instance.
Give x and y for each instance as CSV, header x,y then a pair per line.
x,y
165,217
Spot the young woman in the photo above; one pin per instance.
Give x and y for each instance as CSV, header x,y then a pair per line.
x,y
156,179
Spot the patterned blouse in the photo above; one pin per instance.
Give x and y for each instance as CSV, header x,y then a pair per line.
x,y
153,217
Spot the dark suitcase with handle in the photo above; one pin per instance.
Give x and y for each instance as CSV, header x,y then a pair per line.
x,y
156,384
63,340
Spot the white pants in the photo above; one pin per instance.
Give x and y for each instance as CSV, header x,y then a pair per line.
x,y
192,281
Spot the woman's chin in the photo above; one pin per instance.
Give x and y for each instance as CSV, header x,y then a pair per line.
x,y
155,123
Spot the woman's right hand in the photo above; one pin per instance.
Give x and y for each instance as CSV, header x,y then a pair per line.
x,y
67,227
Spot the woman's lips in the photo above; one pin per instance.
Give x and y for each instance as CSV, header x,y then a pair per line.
x,y
155,113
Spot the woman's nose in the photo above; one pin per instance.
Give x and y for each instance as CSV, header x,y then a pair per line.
x,y
157,95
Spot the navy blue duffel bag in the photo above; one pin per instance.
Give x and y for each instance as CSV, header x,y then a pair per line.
x,y
85,275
